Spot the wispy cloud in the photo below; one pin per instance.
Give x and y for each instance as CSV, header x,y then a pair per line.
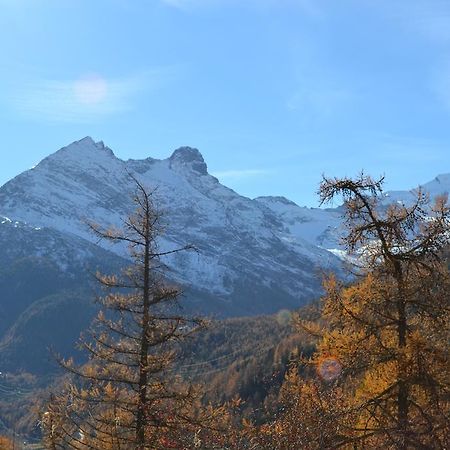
x,y
308,6
84,99
240,174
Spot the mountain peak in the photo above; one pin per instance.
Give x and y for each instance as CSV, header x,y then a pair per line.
x,y
85,148
187,154
86,140
89,144
189,157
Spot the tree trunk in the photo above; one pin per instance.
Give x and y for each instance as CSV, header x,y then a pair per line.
x,y
403,387
143,368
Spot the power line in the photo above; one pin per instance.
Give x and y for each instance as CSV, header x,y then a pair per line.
x,y
258,352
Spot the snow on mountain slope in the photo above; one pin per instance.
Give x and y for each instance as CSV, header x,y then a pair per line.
x,y
439,186
323,227
19,240
66,188
315,225
250,258
254,256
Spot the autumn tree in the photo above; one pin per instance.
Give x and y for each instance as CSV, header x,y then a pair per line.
x,y
126,396
6,443
379,376
388,332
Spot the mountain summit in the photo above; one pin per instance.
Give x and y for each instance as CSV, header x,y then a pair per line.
x,y
255,256
251,258
189,157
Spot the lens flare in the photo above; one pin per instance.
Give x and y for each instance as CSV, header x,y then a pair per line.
x,y
329,368
284,317
91,90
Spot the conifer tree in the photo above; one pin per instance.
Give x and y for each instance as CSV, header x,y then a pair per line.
x,y
381,367
388,332
126,397
6,443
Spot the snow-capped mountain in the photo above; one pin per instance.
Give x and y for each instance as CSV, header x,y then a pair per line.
x,y
439,186
252,256
255,256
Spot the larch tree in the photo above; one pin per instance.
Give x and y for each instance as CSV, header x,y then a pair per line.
x,y
380,375
388,332
6,443
125,396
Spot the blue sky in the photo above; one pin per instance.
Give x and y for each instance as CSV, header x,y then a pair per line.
x,y
274,93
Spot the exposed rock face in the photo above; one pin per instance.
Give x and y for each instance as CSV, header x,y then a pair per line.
x,y
188,157
251,259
